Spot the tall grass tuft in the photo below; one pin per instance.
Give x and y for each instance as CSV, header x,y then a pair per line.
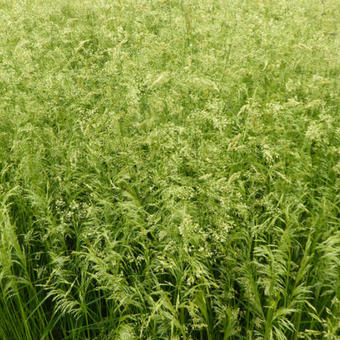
x,y
169,169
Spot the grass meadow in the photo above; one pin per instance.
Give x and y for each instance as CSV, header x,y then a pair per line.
x,y
169,169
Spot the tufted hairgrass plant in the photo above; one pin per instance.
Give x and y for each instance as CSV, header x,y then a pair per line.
x,y
169,169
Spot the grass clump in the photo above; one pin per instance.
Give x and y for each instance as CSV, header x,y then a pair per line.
x,y
169,169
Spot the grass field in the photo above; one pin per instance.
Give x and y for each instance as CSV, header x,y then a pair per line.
x,y
169,169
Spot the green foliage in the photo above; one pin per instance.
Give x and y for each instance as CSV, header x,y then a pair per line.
x,y
169,169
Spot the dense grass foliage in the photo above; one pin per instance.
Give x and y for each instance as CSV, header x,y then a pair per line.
x,y
169,169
